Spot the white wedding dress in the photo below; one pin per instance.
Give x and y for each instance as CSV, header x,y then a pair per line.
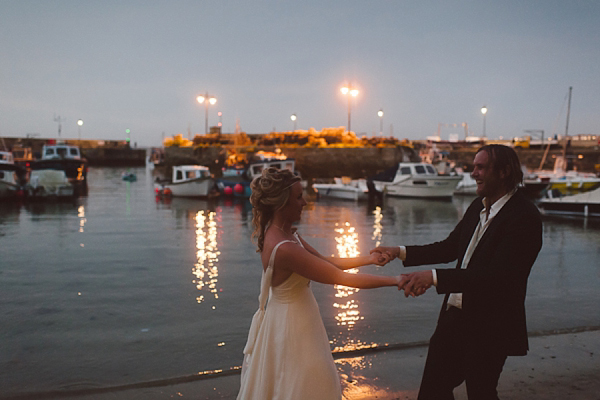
x,y
287,356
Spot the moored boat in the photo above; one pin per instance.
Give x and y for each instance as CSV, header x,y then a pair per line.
x,y
466,186
343,188
416,179
186,181
61,157
582,204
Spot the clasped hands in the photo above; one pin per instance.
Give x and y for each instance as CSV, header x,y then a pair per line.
x,y
413,284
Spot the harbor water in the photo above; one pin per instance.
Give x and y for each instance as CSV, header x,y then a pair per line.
x,y
120,287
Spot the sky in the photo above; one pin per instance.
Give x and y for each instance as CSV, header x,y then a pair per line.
x,y
140,64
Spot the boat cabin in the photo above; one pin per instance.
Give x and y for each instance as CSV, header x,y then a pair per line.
x,y
60,151
184,173
6,157
416,169
256,168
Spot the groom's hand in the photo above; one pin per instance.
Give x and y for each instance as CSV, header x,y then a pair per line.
x,y
417,283
380,258
391,252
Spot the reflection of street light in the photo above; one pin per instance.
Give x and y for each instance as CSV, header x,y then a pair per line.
x,y
380,113
349,91
79,124
294,118
206,99
220,114
484,111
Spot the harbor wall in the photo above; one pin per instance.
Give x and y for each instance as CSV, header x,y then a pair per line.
x,y
312,163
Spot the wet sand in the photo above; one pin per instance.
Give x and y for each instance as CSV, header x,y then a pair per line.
x,y
558,366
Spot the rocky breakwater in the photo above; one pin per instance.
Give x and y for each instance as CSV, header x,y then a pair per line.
x,y
312,163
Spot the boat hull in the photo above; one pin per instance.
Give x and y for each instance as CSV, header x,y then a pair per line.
x,y
583,204
194,188
346,191
49,184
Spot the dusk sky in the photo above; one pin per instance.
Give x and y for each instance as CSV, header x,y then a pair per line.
x,y
139,65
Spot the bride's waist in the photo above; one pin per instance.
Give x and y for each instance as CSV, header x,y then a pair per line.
x,y
288,295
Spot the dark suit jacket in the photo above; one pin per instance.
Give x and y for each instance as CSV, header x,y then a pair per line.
x,y
494,283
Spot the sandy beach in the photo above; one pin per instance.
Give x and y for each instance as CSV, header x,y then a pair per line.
x,y
559,366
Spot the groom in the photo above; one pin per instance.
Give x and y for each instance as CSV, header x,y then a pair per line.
x,y
482,320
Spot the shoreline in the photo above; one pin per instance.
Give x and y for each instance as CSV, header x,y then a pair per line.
x,y
559,360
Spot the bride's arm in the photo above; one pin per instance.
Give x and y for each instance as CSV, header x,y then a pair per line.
x,y
303,262
348,263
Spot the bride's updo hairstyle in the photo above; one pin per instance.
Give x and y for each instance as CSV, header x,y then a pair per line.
x,y
270,192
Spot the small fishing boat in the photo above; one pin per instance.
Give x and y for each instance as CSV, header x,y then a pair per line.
x,y
466,186
582,204
61,157
186,181
416,179
129,177
343,188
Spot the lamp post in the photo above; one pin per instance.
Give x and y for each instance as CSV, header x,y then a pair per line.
x,y
79,125
206,99
349,91
294,118
380,113
484,112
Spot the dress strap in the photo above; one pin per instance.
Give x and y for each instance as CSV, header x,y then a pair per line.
x,y
265,285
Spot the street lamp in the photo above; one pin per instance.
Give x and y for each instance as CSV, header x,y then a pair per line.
x,y
349,91
79,125
206,99
380,113
484,111
294,118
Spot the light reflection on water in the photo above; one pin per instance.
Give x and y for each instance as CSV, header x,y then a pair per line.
x,y
206,270
348,313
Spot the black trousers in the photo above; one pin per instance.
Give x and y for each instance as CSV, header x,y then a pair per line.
x,y
452,359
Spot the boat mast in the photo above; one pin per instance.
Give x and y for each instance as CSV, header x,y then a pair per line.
x,y
567,126
568,112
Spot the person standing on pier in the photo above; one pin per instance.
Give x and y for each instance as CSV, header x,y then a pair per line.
x,y
482,320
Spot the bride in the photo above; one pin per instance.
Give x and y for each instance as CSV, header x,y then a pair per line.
x,y
287,355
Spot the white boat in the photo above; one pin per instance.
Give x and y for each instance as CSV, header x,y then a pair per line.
x,y
416,179
584,204
9,180
343,188
187,181
466,186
